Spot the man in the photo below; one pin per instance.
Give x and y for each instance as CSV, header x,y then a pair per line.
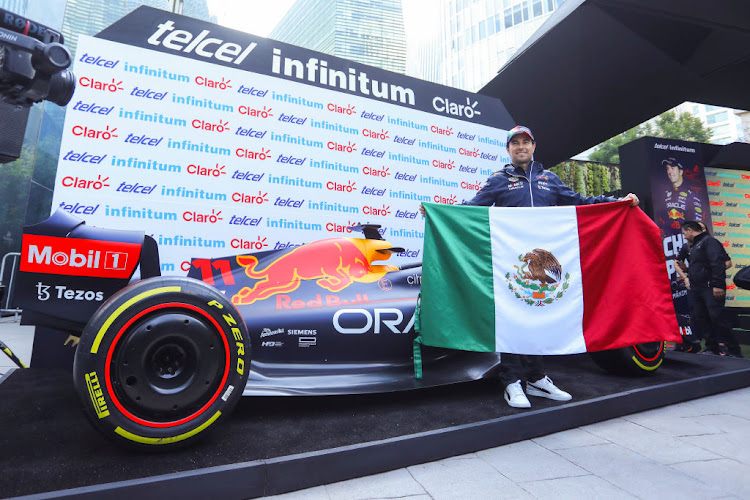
x,y
692,343
707,292
682,262
525,183
681,202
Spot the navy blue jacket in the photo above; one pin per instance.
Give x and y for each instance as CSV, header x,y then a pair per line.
x,y
707,263
511,187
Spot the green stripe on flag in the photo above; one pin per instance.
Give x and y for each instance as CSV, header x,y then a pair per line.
x,y
458,305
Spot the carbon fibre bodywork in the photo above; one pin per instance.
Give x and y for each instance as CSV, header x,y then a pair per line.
x,y
328,317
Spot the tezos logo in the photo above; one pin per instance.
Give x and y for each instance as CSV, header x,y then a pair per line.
x,y
64,293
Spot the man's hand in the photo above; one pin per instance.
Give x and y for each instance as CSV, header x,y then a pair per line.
x,y
421,209
719,293
634,201
687,283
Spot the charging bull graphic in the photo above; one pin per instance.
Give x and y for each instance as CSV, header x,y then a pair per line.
x,y
334,264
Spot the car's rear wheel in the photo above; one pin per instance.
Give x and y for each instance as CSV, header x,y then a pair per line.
x,y
161,362
640,359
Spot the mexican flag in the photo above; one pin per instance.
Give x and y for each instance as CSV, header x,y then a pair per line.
x,y
552,280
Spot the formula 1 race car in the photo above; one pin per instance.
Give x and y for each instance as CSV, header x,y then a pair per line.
x,y
162,359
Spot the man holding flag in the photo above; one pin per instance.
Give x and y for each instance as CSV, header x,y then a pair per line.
x,y
525,183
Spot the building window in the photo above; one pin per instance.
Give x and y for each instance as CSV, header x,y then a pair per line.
x,y
536,8
508,18
718,117
550,5
498,23
720,130
517,16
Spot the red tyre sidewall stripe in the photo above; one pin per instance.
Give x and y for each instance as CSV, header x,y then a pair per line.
x,y
658,353
112,349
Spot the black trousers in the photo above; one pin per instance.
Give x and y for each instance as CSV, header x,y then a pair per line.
x,y
707,319
519,367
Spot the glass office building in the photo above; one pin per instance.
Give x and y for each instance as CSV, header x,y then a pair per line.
x,y
369,32
26,184
725,123
481,36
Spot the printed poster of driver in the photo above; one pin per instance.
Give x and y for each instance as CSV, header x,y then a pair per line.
x,y
679,190
684,195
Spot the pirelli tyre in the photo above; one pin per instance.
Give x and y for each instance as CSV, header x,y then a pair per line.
x,y
640,359
161,362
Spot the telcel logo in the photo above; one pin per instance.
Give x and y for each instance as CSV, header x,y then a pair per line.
x,y
184,41
78,257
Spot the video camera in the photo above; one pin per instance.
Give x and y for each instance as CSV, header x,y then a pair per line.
x,y
33,68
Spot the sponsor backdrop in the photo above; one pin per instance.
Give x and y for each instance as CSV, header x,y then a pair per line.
x,y
729,195
216,142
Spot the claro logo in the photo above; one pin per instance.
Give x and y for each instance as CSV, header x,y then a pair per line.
x,y
78,257
445,105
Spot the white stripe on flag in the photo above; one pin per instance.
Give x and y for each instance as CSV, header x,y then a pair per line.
x,y
520,327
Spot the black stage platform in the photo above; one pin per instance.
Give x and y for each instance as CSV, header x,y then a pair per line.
x,y
276,445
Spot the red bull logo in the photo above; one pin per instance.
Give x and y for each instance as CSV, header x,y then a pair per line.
x,y
676,214
334,264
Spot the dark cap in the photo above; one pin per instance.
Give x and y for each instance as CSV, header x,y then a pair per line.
x,y
673,162
520,129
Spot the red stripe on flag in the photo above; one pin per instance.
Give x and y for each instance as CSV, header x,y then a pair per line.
x,y
626,292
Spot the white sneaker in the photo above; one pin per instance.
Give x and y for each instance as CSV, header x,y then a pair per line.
x,y
544,388
515,397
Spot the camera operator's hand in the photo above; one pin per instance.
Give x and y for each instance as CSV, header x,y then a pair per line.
x,y
719,293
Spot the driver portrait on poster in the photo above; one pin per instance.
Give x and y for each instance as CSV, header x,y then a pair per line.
x,y
684,196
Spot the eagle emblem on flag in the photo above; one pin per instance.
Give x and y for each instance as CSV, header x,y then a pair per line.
x,y
538,278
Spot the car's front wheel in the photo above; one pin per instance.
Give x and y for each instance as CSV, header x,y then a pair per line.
x,y
640,359
161,362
